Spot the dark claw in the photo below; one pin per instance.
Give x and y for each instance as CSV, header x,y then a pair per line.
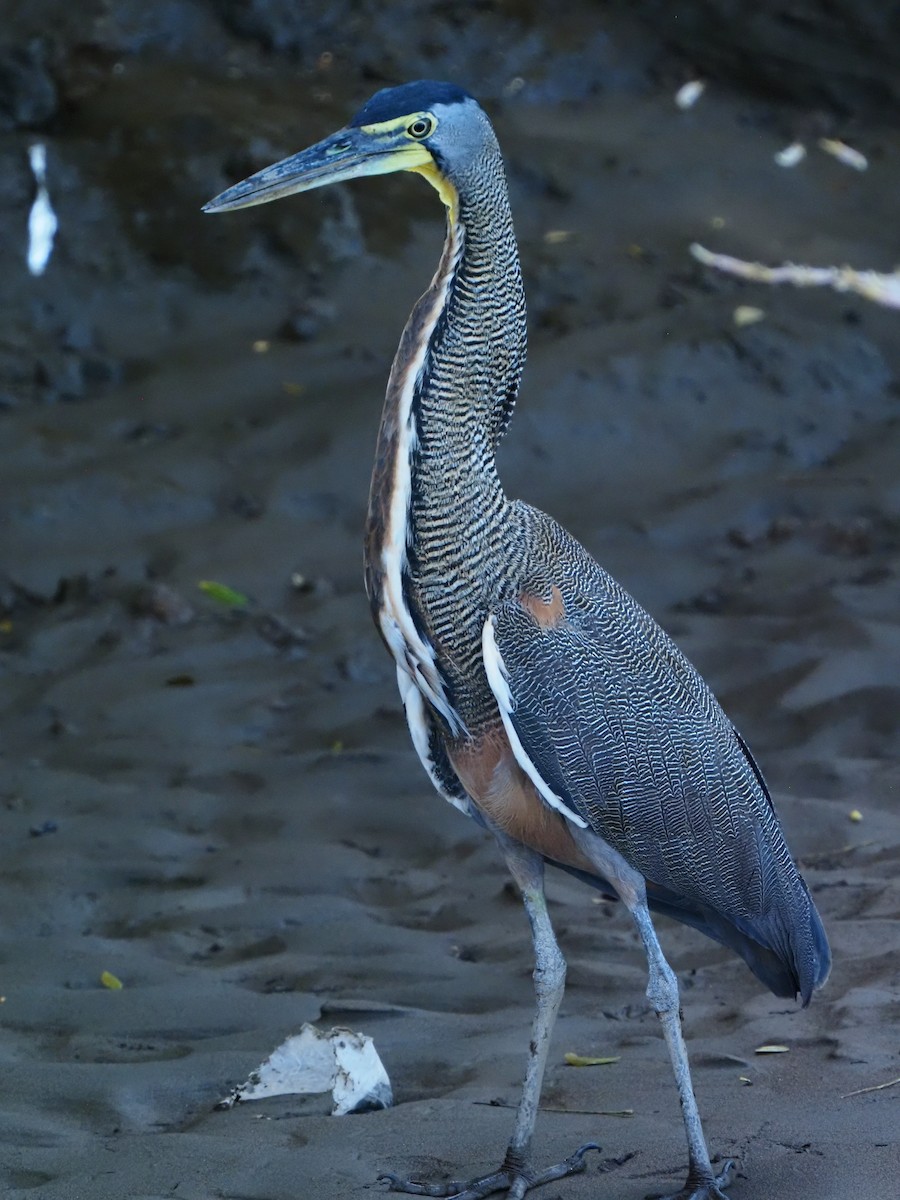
x,y
726,1175
573,1165
582,1151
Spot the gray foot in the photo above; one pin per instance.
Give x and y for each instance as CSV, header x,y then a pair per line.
x,y
710,1189
515,1180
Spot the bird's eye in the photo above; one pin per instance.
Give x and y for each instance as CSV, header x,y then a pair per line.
x,y
420,128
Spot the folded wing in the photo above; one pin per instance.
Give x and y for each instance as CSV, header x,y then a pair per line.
x,y
616,726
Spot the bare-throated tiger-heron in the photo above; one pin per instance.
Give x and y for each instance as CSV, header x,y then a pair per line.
x,y
542,699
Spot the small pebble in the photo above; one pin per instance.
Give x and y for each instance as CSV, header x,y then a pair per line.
x,y
164,603
689,93
37,831
791,155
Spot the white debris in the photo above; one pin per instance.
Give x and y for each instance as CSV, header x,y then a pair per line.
x,y
747,314
844,153
314,1060
42,222
791,155
873,285
689,93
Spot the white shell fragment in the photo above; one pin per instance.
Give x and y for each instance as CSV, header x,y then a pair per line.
x,y
689,93
42,222
844,153
873,285
791,155
315,1060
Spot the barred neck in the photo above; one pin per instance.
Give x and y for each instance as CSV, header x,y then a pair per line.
x,y
436,507
470,375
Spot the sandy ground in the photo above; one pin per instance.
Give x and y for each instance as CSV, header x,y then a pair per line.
x,y
220,806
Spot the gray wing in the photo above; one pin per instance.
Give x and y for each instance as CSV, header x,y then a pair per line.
x,y
621,730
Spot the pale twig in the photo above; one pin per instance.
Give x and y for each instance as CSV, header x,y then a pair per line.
x,y
877,1087
873,285
581,1112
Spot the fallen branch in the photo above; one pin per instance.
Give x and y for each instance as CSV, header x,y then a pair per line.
x,y
873,285
582,1112
878,1087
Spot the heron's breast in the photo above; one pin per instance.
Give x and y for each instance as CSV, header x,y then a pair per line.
x,y
499,787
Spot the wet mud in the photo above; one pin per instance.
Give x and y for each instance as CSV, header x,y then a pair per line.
x,y
217,802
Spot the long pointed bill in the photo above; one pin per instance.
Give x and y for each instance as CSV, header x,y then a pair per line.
x,y
348,154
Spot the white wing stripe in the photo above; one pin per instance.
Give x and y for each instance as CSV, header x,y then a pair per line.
x,y
498,678
417,720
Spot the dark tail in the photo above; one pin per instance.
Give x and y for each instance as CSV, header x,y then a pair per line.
x,y
787,950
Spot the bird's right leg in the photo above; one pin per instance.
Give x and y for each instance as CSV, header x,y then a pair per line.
x,y
516,1175
527,868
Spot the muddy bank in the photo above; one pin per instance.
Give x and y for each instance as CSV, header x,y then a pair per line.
x,y
218,804
837,56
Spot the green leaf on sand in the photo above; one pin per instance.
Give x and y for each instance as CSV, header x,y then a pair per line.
x,y
222,593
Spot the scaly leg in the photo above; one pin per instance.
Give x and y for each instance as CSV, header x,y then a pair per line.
x,y
662,992
516,1176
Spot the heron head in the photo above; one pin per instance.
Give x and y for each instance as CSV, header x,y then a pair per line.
x,y
426,127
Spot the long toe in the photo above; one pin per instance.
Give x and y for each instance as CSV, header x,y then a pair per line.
x,y
453,1189
514,1181
706,1189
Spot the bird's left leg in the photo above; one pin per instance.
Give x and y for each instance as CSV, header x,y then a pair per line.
x,y
516,1175
662,992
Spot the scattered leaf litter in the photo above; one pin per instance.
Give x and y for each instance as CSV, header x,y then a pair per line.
x,y
314,1060
222,593
791,155
877,1087
855,814
111,981
581,1060
844,154
689,93
747,314
42,222
873,285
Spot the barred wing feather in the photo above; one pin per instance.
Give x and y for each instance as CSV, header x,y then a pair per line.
x,y
621,730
